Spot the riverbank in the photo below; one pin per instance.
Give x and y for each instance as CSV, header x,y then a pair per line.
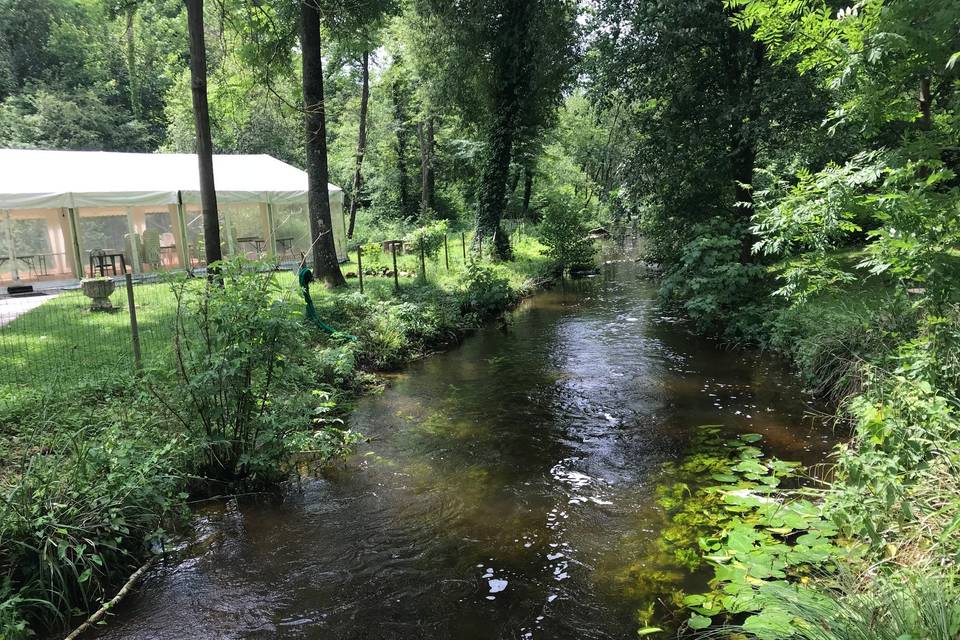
x,y
95,476
507,487
879,522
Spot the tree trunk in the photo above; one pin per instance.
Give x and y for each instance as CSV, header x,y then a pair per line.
x,y
512,78
926,117
361,141
326,267
201,121
400,124
493,186
527,191
427,144
132,62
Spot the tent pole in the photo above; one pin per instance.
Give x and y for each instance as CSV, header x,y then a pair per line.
x,y
182,225
228,227
134,248
271,229
11,253
75,242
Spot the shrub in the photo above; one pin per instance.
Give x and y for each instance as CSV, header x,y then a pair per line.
x,y
564,231
430,236
241,383
717,290
483,292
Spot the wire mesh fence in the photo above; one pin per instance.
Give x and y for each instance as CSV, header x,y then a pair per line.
x,y
59,337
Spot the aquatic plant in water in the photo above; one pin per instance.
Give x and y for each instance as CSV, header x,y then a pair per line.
x,y
726,509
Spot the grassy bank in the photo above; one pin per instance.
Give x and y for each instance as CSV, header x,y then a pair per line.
x,y
95,474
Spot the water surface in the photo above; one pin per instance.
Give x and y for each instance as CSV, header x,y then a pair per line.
x,y
506,492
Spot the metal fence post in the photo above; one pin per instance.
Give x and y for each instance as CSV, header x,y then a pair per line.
x,y
134,329
360,265
446,252
463,245
396,274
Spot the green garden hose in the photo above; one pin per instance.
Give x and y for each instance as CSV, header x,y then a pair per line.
x,y
305,277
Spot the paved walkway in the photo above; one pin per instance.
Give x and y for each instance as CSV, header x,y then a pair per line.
x,y
12,308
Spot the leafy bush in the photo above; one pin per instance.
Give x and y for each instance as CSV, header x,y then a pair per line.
x,y
389,333
430,237
717,290
483,292
241,381
564,231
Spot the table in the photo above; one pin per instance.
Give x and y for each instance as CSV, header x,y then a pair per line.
x,y
168,254
36,263
101,258
258,243
285,246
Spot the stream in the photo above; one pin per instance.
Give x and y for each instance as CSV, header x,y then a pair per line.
x,y
507,490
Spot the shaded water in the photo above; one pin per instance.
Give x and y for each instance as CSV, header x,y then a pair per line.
x,y
507,491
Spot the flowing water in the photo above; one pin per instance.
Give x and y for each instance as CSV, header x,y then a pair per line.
x,y
507,490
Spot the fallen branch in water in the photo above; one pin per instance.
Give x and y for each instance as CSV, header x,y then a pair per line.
x,y
102,611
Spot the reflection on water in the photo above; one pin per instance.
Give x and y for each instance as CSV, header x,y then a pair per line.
x,y
508,490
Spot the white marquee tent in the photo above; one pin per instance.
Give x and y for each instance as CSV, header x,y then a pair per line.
x,y
58,207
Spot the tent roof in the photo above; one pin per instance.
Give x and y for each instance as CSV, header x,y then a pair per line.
x,y
33,179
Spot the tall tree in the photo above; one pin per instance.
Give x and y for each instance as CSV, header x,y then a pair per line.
x,y
325,263
201,119
503,66
361,139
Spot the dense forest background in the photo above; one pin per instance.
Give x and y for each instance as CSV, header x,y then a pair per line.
x,y
113,75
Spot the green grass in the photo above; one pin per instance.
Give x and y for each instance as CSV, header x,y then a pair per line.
x,y
61,343
93,464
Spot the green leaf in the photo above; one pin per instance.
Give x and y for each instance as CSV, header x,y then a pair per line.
x,y
697,621
646,631
769,624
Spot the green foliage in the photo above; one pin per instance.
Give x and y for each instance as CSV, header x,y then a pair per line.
x,y
727,508
910,210
564,231
716,289
906,605
241,382
429,237
902,460
483,292
94,479
830,337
